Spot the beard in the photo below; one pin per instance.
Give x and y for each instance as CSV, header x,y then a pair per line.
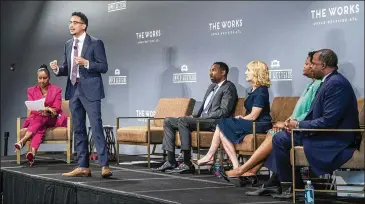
x,y
214,80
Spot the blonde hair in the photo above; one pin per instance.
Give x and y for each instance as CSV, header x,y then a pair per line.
x,y
260,73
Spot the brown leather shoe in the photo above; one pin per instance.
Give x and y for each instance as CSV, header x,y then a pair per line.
x,y
106,172
78,172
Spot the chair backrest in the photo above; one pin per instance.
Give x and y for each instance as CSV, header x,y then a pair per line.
x,y
173,107
361,108
282,107
65,108
240,108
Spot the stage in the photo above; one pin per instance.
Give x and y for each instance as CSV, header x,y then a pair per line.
x,y
131,183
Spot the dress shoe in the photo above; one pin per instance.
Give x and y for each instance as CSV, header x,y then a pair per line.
x,y
166,166
265,191
287,194
106,172
82,172
30,158
182,169
240,181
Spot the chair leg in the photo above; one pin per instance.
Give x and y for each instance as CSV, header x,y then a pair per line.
x,y
117,153
149,155
68,156
18,156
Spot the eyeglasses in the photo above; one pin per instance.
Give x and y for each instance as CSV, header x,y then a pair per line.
x,y
75,22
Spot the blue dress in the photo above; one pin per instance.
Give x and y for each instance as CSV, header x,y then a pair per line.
x,y
236,129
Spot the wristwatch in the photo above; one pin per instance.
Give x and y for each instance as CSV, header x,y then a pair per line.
x,y
297,125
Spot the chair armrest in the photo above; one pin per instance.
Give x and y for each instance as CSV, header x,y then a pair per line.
x,y
322,130
21,118
200,120
121,117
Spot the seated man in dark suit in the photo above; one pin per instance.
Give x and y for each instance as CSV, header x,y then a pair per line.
x,y
219,102
334,107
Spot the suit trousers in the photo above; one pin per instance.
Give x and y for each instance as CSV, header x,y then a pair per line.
x,y
79,106
279,159
185,126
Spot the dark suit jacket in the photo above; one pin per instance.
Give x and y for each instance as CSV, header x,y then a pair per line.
x,y
335,107
223,104
91,82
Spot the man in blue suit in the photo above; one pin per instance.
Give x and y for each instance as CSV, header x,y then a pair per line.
x,y
334,107
84,62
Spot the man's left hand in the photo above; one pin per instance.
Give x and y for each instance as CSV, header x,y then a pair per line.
x,y
291,124
81,61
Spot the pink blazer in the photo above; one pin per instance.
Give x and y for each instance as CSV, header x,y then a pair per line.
x,y
53,100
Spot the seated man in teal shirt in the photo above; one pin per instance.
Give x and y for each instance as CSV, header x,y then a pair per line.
x,y
247,172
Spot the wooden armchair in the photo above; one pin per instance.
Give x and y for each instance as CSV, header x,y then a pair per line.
x,y
153,133
298,158
281,109
58,135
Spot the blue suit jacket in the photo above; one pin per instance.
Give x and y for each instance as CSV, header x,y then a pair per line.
x,y
91,82
335,107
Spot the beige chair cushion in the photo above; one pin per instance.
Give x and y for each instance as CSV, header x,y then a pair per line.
x,y
240,107
356,162
173,107
138,134
282,107
246,145
52,134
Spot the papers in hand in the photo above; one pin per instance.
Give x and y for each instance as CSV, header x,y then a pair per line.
x,y
35,105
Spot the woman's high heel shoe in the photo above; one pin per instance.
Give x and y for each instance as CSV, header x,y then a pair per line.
x,y
18,146
206,163
30,158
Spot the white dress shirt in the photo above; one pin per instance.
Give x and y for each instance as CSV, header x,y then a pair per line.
x,y
80,45
212,93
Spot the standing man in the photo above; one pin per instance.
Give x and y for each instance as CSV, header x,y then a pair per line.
x,y
84,62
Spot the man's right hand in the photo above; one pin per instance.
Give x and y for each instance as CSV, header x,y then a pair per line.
x,y
54,65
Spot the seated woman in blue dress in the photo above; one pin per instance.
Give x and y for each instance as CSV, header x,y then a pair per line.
x,y
232,130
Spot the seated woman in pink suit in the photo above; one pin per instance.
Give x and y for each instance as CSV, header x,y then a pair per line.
x,y
38,121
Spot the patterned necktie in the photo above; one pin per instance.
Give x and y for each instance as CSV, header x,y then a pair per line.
x,y
74,65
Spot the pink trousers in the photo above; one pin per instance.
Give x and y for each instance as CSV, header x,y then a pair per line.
x,y
37,125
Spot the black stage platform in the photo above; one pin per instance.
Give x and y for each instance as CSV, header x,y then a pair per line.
x,y
43,183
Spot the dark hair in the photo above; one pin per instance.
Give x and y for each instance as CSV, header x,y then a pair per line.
x,y
44,68
83,18
223,66
310,55
329,57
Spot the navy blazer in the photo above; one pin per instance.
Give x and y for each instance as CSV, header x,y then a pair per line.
x,y
91,82
334,107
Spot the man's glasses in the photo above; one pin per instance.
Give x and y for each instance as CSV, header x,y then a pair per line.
x,y
75,22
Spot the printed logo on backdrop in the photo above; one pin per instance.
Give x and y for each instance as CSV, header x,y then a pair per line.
x,y
145,113
152,36
335,14
184,76
116,79
117,6
227,27
278,74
